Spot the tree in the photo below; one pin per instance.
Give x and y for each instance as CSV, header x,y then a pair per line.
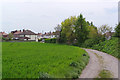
x,y
81,30
58,32
91,24
68,29
104,28
117,30
58,28
93,32
10,36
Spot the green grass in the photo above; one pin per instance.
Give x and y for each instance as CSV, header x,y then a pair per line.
x,y
42,60
111,47
104,75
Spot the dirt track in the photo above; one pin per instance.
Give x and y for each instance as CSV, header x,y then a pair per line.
x,y
99,61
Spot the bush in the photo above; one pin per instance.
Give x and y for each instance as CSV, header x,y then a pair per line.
x,y
53,40
117,30
90,42
109,46
39,40
74,64
3,38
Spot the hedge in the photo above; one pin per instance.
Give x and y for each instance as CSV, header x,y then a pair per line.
x,y
53,40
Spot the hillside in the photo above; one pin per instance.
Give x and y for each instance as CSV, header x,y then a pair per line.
x,y
111,47
41,60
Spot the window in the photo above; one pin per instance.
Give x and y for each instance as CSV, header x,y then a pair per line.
x,y
21,35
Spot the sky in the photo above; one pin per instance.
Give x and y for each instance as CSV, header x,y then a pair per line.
x,y
44,15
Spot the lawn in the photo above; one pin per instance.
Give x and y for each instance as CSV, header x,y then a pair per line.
x,y
42,60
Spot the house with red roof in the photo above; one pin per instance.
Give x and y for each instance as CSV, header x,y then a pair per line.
x,y
24,35
3,34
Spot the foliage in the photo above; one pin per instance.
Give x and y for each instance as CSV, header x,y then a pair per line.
x,y
105,74
53,40
89,43
3,38
117,30
62,38
93,32
58,33
109,46
10,36
39,40
74,30
81,30
67,33
93,41
104,28
41,60
58,28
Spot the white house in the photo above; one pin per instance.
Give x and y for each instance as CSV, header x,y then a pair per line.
x,y
49,35
46,35
108,35
25,35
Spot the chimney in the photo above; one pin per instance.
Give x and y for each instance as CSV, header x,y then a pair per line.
x,y
23,30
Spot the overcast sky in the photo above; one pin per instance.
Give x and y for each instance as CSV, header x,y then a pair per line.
x,y
44,15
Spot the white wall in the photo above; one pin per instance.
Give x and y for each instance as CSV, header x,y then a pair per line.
x,y
32,37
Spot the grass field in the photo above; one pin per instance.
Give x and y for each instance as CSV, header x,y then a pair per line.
x,y
41,60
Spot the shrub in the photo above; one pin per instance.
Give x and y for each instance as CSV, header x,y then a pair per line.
x,y
90,42
39,40
3,38
109,46
73,64
53,40
117,30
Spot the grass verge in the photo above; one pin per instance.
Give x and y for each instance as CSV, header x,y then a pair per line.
x,y
104,75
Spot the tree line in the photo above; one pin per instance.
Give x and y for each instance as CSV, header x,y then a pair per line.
x,y
77,31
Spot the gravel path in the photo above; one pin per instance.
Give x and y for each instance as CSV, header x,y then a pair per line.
x,y
99,61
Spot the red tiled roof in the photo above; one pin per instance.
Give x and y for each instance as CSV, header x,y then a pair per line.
x,y
18,32
39,34
3,33
56,33
27,32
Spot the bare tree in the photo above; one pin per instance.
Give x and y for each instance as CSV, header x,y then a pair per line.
x,y
104,28
58,28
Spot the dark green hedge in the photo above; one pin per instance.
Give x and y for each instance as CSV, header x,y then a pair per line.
x,y
53,40
90,42
109,46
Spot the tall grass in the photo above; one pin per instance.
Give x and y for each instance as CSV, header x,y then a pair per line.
x,y
42,60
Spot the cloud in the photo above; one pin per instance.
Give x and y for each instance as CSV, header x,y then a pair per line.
x,y
59,1
45,15
111,10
